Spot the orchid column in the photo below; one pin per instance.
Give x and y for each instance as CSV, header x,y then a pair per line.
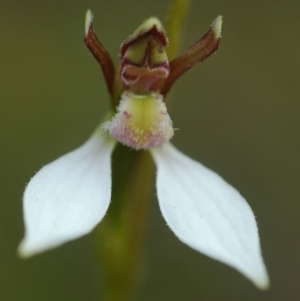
x,y
67,198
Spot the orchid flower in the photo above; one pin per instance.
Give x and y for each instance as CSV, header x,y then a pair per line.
x,y
67,198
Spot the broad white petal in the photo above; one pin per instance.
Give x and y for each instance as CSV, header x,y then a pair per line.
x,y
68,197
208,214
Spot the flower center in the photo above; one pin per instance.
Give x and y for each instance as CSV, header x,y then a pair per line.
x,y
141,122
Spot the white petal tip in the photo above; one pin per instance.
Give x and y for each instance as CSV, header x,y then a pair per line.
x,y
262,282
23,251
255,270
217,26
264,286
88,21
27,248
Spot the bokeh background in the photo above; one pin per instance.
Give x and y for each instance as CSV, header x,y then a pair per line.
x,y
238,113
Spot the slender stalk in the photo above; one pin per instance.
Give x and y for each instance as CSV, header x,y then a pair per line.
x,y
175,20
120,235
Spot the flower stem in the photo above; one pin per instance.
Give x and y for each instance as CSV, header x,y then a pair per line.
x,y
120,235
175,19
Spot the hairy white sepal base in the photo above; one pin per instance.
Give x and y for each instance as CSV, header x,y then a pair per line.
x,y
141,122
208,214
67,198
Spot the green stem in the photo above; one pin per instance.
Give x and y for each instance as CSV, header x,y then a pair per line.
x,y
120,235
175,20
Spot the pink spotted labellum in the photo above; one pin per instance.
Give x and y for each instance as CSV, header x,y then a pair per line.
x,y
67,198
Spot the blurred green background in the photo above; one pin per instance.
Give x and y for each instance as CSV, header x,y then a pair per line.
x,y
238,113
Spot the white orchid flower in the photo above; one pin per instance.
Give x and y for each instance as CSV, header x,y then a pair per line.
x,y
67,198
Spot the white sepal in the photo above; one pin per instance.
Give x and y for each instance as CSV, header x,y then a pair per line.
x,y
208,214
68,197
